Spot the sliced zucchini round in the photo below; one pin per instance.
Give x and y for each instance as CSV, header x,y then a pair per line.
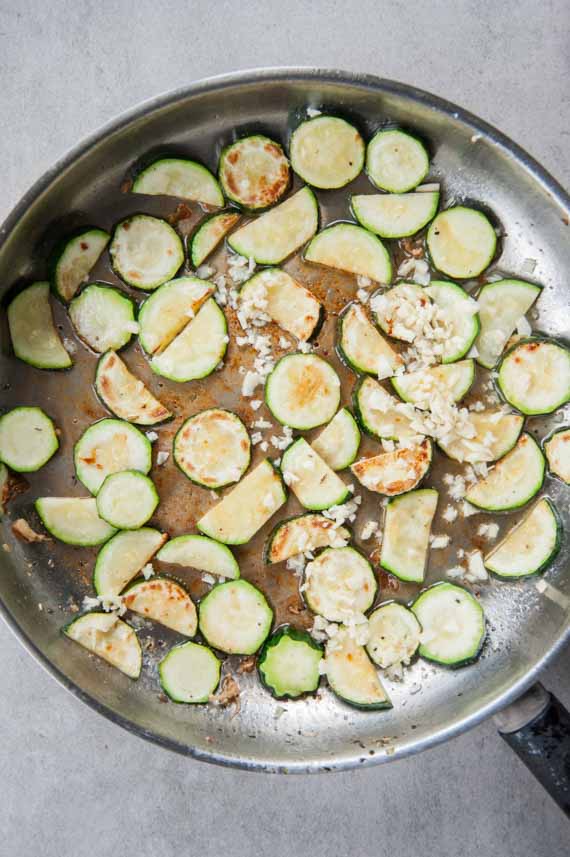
x,y
501,306
461,242
122,557
202,553
210,232
378,413
362,347
198,350
395,215
303,533
312,481
164,601
28,439
338,443
289,663
534,376
557,449
235,618
254,172
190,673
107,636
168,310
302,391
179,177
339,583
103,317
407,528
351,674
212,448
396,161
125,395
495,434
351,248
460,313
35,339
530,546
127,500
146,251
74,259
392,473
513,481
453,625
394,635
108,447
452,380
293,307
327,152
73,520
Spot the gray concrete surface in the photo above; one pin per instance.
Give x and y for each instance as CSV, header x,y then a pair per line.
x,y
73,784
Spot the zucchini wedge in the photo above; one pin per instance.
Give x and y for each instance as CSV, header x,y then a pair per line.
x,y
452,380
190,673
254,172
289,663
392,473
402,311
534,376
351,674
293,307
107,636
362,347
303,533
396,161
28,439
530,546
201,553
378,413
460,313
125,395
146,251
74,520
103,317
248,506
210,233
122,557
453,625
197,351
74,259
395,215
311,480
166,312
278,233
302,391
179,177
212,448
339,583
164,601
394,635
326,152
513,481
557,450
35,339
495,434
461,242
338,443
109,446
235,618
407,526
501,306
351,248
127,500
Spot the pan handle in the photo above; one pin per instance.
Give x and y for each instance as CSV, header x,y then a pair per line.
x,y
537,727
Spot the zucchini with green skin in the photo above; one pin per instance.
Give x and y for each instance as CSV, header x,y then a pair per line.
x,y
495,434
235,618
254,172
452,380
396,161
460,313
338,443
461,242
201,553
167,311
103,317
198,350
293,307
109,446
311,480
530,547
125,395
339,584
534,376
127,500
351,674
123,557
212,448
209,234
557,450
395,215
179,177
28,439
289,663
35,339
74,259
302,533
407,526
352,249
107,636
393,473
326,152
378,414
164,601
74,520
302,391
394,635
190,673
146,251
394,308
453,625
362,347
502,305
513,481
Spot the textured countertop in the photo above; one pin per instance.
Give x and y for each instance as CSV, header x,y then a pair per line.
x,y
73,783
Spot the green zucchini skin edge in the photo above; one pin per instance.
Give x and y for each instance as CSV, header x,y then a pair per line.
x,y
293,634
120,293
540,339
141,426
195,481
322,312
546,440
226,191
555,550
195,235
526,499
58,252
274,532
145,292
358,413
466,661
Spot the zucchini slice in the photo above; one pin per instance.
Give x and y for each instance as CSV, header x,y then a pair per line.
x,y
513,481
461,242
107,636
201,553
495,434
401,311
28,439
557,450
254,172
103,317
378,413
303,533
166,312
326,152
460,312
501,306
394,635
289,663
198,350
395,215
248,506
164,601
278,233
452,380
190,673
351,248
338,443
396,161
125,395
209,234
339,583
108,447
351,674
407,528
123,557
396,472
302,391
311,480
453,625
362,347
534,376
530,546
179,177
127,500
146,251
75,258
73,520
212,448
235,617
35,339
293,307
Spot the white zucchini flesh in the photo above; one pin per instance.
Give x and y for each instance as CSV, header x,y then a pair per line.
x,y
289,663
460,312
339,584
107,636
501,306
396,161
190,673
127,500
392,473
163,601
293,307
351,674
452,380
201,553
327,152
407,526
307,532
311,480
103,317
351,248
278,233
395,215
122,557
146,251
125,395
513,481
338,443
534,376
495,434
398,310
77,258
166,312
378,413
108,447
453,624
363,347
28,439
254,172
74,520
35,339
212,448
461,242
529,547
198,349
557,449
235,617
302,391
179,177
248,506
209,234
394,635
